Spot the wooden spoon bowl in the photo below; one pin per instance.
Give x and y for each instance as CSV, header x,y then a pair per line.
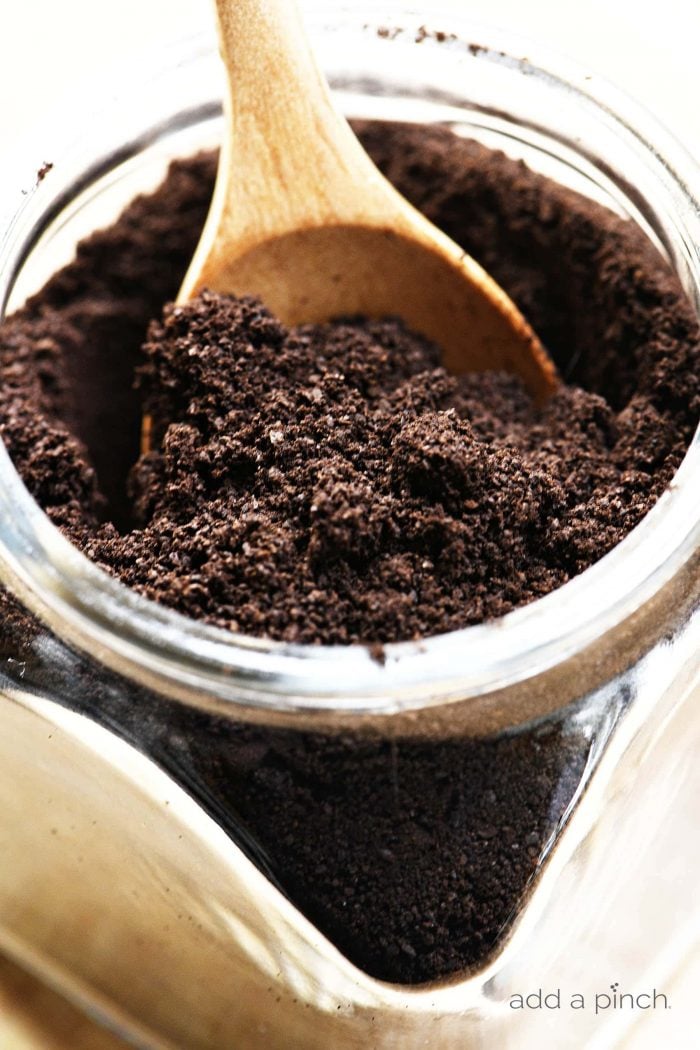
x,y
302,218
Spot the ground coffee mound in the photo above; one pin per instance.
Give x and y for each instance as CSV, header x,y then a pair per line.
x,y
335,484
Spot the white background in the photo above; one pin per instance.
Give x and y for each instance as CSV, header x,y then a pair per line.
x,y
649,47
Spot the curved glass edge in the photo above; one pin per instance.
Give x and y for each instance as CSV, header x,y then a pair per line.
x,y
100,615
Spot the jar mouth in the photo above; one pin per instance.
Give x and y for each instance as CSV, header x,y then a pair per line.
x,y
148,642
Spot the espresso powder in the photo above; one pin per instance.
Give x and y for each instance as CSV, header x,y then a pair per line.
x,y
335,484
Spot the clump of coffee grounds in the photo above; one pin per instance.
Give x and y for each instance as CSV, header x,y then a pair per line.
x,y
335,484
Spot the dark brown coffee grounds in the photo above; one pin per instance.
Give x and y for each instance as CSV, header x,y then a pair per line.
x,y
410,856
325,484
73,351
335,484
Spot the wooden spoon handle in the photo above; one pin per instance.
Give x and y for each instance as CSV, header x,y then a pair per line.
x,y
291,162
302,218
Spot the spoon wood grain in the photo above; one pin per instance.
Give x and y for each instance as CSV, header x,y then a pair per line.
x,y
302,218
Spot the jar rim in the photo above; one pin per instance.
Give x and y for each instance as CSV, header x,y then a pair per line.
x,y
150,643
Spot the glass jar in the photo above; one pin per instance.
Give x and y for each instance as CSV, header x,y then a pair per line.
x,y
131,878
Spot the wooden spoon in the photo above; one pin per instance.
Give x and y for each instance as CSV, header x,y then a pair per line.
x,y
302,218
